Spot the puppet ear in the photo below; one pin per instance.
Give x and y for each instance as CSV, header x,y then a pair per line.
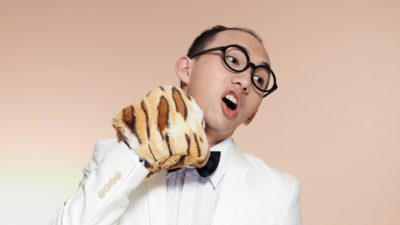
x,y
183,68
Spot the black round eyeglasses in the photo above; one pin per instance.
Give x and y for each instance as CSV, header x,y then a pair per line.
x,y
236,58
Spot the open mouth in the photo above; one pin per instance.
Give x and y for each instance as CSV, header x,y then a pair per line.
x,y
230,101
230,104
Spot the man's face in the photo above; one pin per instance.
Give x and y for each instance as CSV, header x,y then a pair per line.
x,y
210,81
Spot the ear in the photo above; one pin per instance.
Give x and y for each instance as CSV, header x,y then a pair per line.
x,y
183,68
247,122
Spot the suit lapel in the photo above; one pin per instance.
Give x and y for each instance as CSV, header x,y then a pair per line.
x,y
234,181
157,198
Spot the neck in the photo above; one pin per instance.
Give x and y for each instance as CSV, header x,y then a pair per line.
x,y
214,138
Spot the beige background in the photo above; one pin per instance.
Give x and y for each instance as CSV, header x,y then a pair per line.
x,y
66,67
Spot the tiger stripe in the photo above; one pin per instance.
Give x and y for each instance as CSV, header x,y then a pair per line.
x,y
128,116
180,105
197,145
144,108
163,115
168,144
188,143
151,151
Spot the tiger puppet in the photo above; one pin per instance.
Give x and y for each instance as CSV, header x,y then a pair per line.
x,y
165,129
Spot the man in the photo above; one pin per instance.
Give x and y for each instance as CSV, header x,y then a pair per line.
x,y
227,72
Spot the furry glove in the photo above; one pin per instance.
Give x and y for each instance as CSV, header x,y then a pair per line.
x,y
165,129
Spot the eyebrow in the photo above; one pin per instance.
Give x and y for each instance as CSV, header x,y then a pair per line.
x,y
265,64
262,63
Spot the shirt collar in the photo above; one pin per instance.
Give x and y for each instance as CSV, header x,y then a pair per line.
x,y
225,148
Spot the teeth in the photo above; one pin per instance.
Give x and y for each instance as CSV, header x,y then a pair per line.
x,y
231,98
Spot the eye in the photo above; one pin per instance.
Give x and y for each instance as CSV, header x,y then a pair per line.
x,y
232,59
258,80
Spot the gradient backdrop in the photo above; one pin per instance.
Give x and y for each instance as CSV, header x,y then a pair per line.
x,y
67,67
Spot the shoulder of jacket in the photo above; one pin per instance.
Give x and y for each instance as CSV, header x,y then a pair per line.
x,y
261,171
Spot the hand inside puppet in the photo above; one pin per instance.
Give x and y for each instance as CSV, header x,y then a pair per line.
x,y
165,129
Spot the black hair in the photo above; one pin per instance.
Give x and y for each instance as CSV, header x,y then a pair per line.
x,y
208,35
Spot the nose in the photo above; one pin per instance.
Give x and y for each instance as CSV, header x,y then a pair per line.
x,y
243,80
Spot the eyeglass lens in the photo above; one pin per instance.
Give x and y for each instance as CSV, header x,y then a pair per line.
x,y
237,60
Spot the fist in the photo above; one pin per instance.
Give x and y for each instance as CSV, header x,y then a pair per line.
x,y
165,129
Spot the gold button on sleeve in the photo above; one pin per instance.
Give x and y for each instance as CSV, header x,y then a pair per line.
x,y
107,187
117,175
101,194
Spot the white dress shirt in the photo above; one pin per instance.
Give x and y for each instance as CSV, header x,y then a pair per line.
x,y
192,198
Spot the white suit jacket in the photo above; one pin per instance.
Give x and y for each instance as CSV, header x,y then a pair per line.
x,y
113,191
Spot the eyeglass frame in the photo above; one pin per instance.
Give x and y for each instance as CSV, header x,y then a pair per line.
x,y
249,64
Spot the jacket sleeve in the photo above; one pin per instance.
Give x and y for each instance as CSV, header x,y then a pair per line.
x,y
112,173
292,213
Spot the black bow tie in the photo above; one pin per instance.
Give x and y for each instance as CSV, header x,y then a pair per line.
x,y
209,168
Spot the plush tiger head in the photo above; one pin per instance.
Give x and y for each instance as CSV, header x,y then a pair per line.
x,y
165,128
